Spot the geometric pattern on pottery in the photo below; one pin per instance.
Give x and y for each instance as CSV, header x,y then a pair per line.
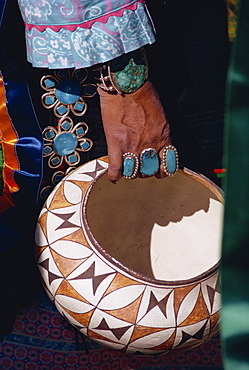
x,y
104,301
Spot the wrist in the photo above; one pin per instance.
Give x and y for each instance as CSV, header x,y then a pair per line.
x,y
136,95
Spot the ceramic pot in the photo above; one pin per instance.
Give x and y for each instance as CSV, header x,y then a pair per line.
x,y
134,266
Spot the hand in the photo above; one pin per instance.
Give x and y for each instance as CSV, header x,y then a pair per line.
x,y
133,122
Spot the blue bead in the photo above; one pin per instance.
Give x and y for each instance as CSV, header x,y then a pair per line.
x,y
47,150
80,131
128,166
49,100
85,145
65,143
61,110
68,91
55,161
72,159
49,134
49,83
66,125
79,106
149,162
171,160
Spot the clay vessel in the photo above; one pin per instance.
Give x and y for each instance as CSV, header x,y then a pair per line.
x,y
134,266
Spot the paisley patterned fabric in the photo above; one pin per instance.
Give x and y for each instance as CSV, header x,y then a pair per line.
x,y
81,33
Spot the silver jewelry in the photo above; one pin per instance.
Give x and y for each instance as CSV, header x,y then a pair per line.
x,y
130,165
149,162
170,160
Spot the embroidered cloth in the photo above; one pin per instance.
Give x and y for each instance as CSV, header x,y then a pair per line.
x,y
81,33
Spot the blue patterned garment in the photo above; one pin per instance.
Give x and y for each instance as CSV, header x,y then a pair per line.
x,y
81,33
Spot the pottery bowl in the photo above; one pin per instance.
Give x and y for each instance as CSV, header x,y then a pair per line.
x,y
134,266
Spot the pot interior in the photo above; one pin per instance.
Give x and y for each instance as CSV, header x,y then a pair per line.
x,y
167,229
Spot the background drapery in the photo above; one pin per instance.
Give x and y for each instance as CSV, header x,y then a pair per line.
x,y
235,254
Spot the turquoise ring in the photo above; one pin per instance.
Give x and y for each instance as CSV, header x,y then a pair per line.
x,y
130,165
149,162
170,160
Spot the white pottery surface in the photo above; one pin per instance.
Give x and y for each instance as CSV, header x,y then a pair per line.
x,y
122,279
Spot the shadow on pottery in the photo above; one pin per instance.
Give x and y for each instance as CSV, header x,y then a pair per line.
x,y
146,221
134,266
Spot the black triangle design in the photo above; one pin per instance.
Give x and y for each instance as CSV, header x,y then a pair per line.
x,y
97,280
200,332
98,167
65,217
217,285
152,303
90,274
51,275
211,295
103,325
185,337
162,304
198,335
117,332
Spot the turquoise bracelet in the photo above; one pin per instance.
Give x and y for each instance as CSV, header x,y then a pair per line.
x,y
125,74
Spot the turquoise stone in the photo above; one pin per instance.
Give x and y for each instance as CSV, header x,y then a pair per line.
x,y
72,159
49,100
171,161
129,71
85,145
131,78
149,162
65,143
79,106
55,161
128,166
66,125
61,110
47,150
49,134
49,83
68,91
123,80
80,131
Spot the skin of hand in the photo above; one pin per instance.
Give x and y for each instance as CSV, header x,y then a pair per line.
x,y
133,122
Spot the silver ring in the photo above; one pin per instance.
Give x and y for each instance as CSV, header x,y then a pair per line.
x,y
170,160
130,165
149,162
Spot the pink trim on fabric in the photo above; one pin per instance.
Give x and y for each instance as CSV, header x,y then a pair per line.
x,y
86,24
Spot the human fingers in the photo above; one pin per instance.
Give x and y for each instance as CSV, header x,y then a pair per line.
x,y
115,162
